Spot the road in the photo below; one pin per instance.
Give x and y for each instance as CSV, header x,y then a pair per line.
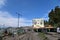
x,y
31,36
52,36
27,36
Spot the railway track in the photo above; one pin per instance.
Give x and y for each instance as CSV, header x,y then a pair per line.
x,y
52,36
27,36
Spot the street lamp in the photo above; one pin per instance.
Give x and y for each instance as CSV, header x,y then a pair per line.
x,y
18,17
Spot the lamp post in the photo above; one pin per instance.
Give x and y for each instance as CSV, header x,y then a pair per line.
x,y
18,17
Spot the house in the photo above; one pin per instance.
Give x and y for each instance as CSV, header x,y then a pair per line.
x,y
38,23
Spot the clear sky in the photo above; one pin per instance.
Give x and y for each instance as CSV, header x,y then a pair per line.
x,y
29,9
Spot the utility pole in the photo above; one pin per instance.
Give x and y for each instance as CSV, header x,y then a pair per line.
x,y
18,17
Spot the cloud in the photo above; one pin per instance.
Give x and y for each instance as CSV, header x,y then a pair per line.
x,y
2,3
5,14
8,20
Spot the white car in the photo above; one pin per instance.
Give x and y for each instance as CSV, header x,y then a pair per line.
x,y
58,30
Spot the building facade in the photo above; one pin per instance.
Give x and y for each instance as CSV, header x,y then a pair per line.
x,y
38,23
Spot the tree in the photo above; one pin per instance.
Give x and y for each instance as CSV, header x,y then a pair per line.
x,y
54,16
46,23
1,37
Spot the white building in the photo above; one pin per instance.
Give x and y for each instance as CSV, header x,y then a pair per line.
x,y
38,23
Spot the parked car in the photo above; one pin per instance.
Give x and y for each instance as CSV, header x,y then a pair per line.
x,y
58,30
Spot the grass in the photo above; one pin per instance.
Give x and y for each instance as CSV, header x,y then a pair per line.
x,y
42,36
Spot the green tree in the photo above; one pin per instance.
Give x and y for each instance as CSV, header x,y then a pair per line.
x,y
46,23
54,17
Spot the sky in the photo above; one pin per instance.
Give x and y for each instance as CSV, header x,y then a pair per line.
x,y
29,9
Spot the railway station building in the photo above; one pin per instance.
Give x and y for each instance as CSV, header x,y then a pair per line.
x,y
38,25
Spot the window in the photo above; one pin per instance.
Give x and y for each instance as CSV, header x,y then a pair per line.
x,y
38,23
41,23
